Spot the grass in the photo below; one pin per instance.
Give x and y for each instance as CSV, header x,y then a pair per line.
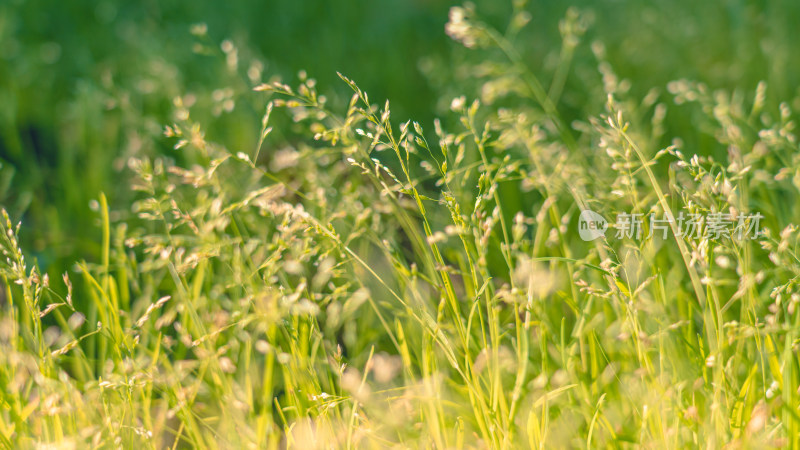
x,y
274,267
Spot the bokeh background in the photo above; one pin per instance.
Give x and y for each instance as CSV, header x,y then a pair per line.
x,y
85,84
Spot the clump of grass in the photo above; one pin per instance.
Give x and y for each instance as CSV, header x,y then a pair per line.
x,y
385,283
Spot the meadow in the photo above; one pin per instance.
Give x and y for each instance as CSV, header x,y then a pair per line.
x,y
399,224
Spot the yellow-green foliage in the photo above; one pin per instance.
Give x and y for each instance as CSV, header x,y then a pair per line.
x,y
346,278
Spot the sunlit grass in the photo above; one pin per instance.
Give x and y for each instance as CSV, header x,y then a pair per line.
x,y
356,280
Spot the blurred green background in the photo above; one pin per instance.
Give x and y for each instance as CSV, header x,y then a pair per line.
x,y
86,84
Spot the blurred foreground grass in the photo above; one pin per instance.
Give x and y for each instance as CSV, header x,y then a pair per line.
x,y
331,274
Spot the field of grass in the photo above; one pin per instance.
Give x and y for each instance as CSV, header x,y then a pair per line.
x,y
304,225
